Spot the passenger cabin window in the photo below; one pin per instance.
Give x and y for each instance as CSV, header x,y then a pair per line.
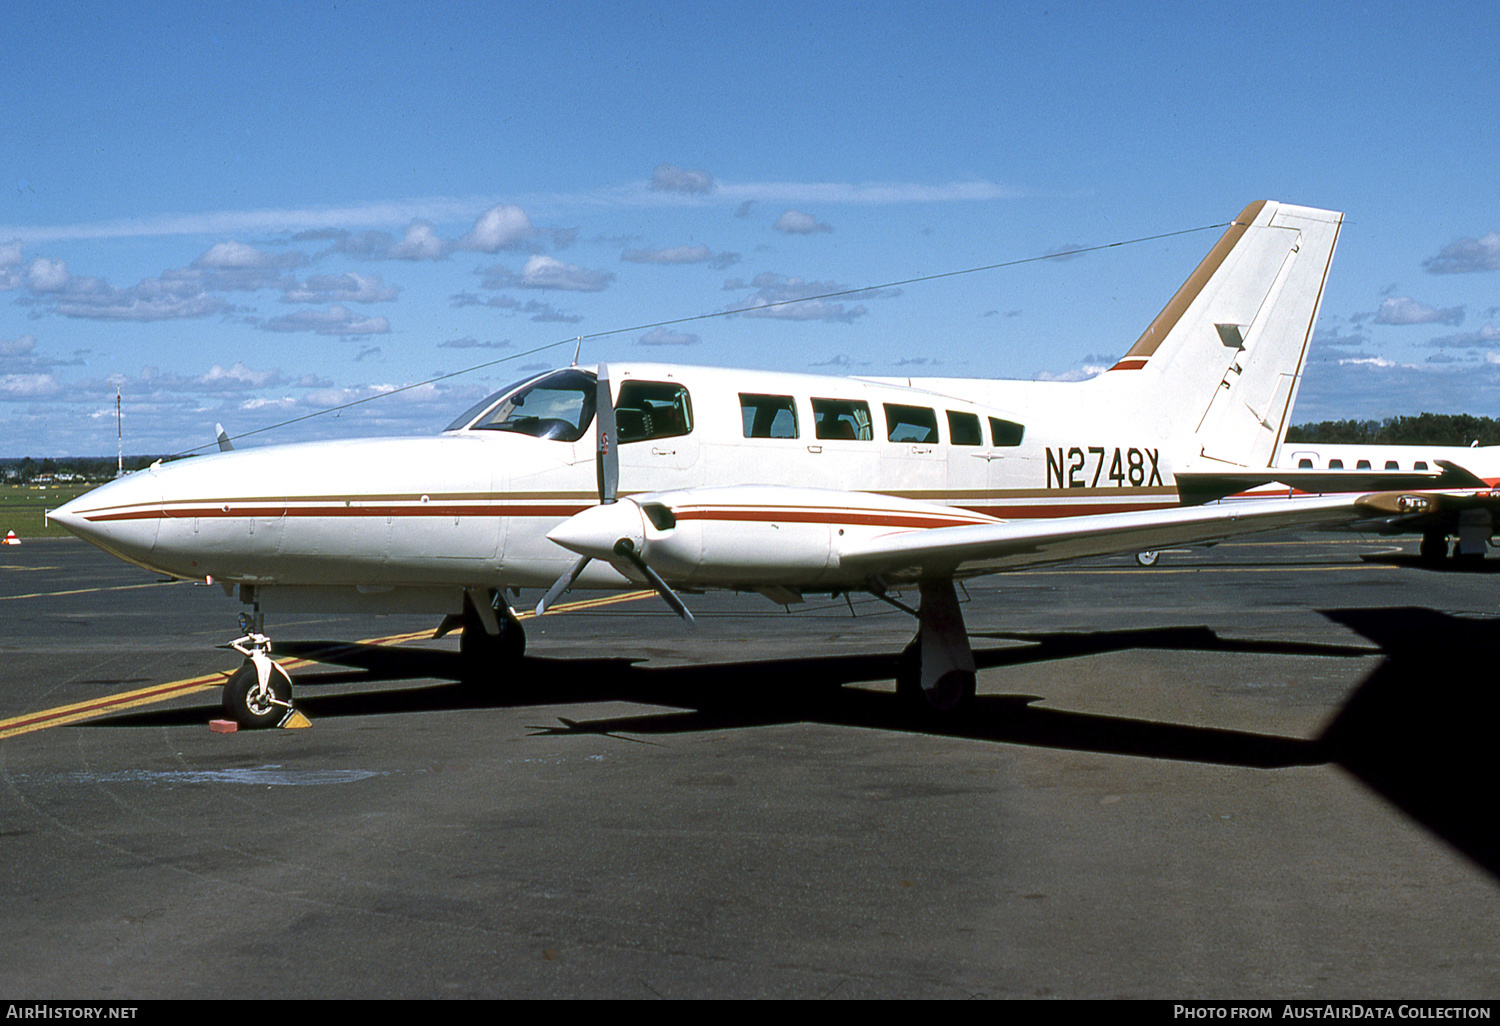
x,y
1392,465
1335,464
1006,432
652,409
768,416
1419,465
559,405
910,424
1304,464
963,429
1362,465
846,419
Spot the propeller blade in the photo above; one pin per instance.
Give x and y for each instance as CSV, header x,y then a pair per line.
x,y
561,585
627,549
607,462
222,437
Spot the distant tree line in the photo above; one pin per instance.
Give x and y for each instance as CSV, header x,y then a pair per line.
x,y
1423,429
87,468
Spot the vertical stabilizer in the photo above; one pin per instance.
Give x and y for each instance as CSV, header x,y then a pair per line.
x,y
1219,367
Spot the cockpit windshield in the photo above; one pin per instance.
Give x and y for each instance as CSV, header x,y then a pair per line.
x,y
558,405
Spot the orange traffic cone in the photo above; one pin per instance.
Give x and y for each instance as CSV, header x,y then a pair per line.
x,y
10,539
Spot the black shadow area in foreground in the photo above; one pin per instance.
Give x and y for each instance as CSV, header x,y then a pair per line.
x,y
1418,730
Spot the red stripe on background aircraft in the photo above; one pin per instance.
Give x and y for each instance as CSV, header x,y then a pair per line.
x,y
784,484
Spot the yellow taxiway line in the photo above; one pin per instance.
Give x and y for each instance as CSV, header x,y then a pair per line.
x,y
108,704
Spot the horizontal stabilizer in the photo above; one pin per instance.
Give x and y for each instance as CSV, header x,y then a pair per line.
x,y
1194,489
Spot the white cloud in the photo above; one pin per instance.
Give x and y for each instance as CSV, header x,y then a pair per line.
x,y
419,243
45,275
1489,335
28,386
12,348
500,227
1463,255
670,178
237,256
336,320
680,255
544,272
797,299
236,377
1404,310
795,222
341,288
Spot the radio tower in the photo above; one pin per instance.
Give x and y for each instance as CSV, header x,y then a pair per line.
x,y
119,436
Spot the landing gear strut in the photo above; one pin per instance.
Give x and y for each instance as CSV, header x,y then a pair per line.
x,y
935,673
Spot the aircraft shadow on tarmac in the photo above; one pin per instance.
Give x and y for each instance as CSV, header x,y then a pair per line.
x,y
1418,730
1441,566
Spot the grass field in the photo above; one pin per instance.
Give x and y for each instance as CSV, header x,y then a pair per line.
x,y
22,508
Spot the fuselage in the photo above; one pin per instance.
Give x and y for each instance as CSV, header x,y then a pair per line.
x,y
472,507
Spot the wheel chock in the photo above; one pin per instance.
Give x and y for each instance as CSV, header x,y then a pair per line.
x,y
294,721
223,726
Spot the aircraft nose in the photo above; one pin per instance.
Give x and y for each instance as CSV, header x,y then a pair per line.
x,y
120,517
595,531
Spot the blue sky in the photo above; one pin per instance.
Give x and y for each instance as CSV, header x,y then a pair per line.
x,y
246,213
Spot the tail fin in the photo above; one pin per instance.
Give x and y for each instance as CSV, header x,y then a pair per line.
x,y
1221,364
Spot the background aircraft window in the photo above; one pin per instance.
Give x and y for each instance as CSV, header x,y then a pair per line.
x,y
1006,432
768,416
847,419
1335,464
963,429
558,405
1419,465
910,423
1362,465
1304,464
1392,465
652,409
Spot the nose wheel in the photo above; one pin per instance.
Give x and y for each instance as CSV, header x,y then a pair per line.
x,y
259,693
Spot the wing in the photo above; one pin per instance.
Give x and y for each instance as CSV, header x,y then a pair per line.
x,y
758,536
989,548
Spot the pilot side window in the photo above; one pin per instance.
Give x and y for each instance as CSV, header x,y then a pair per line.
x,y
559,405
846,419
652,409
768,416
910,424
963,429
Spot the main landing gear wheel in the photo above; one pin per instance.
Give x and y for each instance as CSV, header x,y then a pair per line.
x,y
1147,558
1434,548
479,649
258,694
484,656
953,691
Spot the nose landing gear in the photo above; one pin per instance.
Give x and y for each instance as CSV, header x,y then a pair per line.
x,y
259,693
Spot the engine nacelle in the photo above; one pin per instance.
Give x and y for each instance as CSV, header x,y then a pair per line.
x,y
756,535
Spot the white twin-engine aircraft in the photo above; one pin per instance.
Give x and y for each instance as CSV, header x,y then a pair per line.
x,y
689,478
